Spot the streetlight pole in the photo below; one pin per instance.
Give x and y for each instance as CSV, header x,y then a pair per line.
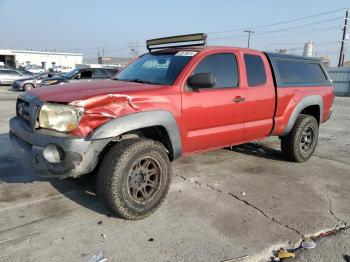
x,y
249,33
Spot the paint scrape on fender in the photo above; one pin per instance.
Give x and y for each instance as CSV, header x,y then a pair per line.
x,y
100,109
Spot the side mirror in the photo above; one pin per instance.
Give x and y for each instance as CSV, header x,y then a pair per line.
x,y
77,76
202,80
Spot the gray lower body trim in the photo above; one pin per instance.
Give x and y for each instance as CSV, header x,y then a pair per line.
x,y
81,156
163,118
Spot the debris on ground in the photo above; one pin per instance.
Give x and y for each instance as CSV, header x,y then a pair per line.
x,y
283,253
243,193
99,222
103,235
236,258
99,257
308,244
150,239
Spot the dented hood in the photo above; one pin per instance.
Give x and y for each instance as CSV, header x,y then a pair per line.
x,y
67,93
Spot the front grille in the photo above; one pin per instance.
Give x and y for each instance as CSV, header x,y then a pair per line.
x,y
27,109
23,110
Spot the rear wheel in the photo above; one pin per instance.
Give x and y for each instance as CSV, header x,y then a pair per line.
x,y
300,143
134,177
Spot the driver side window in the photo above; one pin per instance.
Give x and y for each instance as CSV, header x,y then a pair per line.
x,y
223,67
86,74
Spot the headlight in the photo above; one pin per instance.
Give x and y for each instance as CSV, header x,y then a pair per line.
x,y
63,118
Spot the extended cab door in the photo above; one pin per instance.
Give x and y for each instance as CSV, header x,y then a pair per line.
x,y
214,117
260,96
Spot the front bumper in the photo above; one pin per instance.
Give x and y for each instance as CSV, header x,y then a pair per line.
x,y
80,155
17,86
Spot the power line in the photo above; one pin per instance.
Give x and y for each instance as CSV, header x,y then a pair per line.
x,y
300,26
300,33
282,29
99,47
125,45
279,23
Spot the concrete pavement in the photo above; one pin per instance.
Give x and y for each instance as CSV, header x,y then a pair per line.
x,y
243,202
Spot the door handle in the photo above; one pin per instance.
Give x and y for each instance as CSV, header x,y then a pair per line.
x,y
238,99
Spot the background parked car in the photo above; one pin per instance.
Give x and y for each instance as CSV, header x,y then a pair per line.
x,y
34,69
25,72
80,74
62,69
8,76
26,84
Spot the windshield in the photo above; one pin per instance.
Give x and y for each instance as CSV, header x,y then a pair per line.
x,y
155,68
70,74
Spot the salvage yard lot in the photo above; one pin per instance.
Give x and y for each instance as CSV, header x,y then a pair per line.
x,y
230,203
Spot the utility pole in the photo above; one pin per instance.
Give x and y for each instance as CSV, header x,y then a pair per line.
x,y
134,51
341,55
249,33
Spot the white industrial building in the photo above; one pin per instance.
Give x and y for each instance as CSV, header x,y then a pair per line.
x,y
46,60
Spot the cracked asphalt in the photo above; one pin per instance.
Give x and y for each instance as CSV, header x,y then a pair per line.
x,y
238,204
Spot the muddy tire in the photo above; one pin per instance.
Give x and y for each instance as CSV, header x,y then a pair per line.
x,y
300,143
134,177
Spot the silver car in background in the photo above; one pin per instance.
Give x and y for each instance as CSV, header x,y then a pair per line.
x,y
8,76
27,83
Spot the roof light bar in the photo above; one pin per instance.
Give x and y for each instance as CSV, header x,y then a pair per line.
x,y
199,39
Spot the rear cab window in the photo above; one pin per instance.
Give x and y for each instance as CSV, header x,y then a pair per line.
x,y
223,67
298,71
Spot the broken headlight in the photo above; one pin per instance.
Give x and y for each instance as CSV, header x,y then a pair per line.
x,y
63,118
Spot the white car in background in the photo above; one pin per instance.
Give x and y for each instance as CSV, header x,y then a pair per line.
x,y
62,69
34,69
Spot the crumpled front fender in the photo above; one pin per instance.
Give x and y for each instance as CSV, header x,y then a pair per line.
x,y
100,109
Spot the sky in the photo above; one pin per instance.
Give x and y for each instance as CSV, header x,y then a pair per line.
x,y
88,26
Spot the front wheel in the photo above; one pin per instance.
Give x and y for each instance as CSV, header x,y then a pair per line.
x,y
28,87
300,143
134,177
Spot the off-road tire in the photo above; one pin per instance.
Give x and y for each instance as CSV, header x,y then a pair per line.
x,y
113,172
291,143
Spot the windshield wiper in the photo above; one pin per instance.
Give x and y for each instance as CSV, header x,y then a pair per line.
x,y
136,80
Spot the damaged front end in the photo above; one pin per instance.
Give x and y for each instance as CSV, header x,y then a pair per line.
x,y
100,109
59,151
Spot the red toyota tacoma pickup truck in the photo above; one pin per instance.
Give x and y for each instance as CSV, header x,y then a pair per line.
x,y
180,98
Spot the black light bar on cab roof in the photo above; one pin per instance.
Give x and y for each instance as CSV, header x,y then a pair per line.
x,y
199,39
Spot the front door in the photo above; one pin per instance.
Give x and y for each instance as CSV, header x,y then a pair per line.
x,y
214,117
